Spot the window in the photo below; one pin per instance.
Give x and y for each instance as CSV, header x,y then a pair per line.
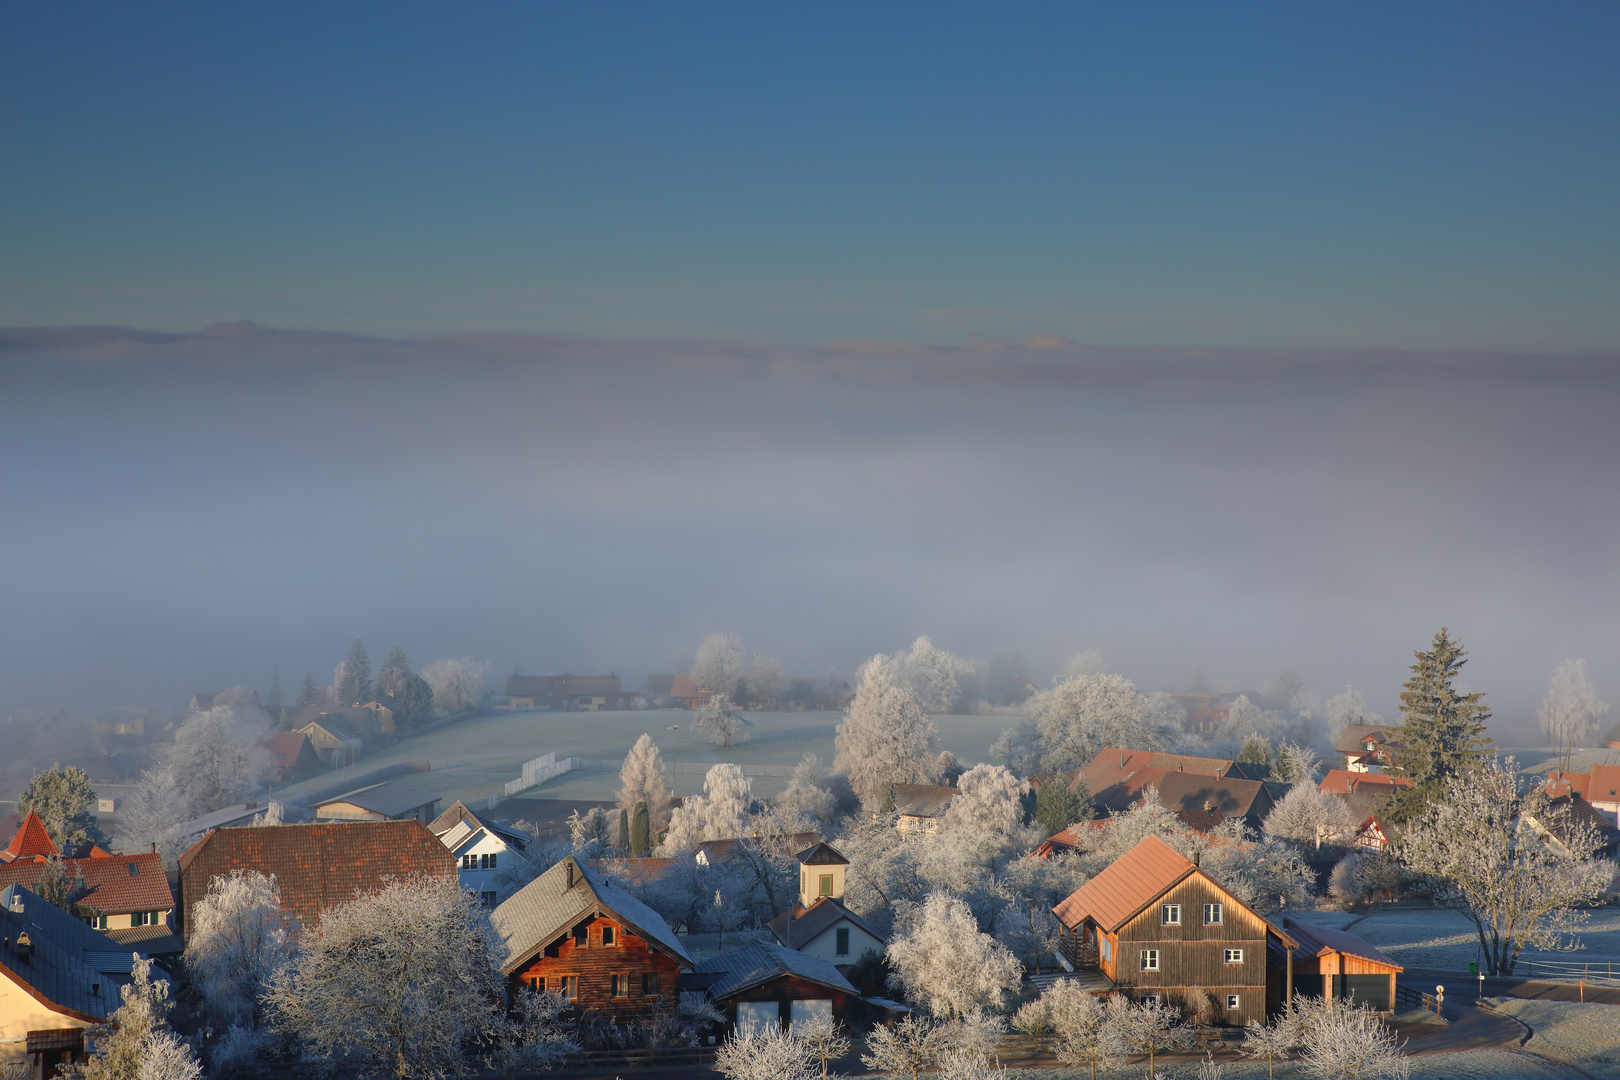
x,y
607,936
488,900
582,936
843,941
469,862
139,918
1170,915
1213,914
649,983
568,987
134,869
100,922
1233,1001
1105,949
1150,959
539,984
826,885
1234,956
621,986
1156,999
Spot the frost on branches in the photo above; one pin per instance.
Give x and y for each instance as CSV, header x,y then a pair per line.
x,y
720,720
1312,816
886,737
719,664
458,685
1520,871
720,813
1080,716
216,759
238,942
772,1054
641,780
137,1042
945,964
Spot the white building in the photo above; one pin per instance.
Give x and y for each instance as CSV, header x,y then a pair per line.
x,y
819,923
482,850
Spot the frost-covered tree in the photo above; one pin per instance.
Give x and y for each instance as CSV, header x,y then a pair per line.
x,y
1125,829
721,722
1346,709
807,795
1295,764
1005,681
1351,1041
236,942
137,1042
719,664
1080,716
1153,1026
1522,873
155,813
1570,712
945,963
1287,690
352,680
905,1048
399,981
538,1033
395,666
1245,718
1086,665
1265,873
458,684
939,680
216,758
988,803
590,833
825,1038
1272,1039
720,813
63,798
1444,731
1312,816
772,1054
1019,748
1255,750
764,679
1092,1032
886,737
60,883
642,780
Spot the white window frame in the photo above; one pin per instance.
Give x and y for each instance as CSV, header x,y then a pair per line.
x,y
1234,956
1215,914
1233,1001
1170,915
1149,960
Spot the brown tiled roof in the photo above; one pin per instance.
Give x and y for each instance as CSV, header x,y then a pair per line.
x,y
30,839
115,884
1344,782
1203,802
1116,778
317,866
799,926
1126,886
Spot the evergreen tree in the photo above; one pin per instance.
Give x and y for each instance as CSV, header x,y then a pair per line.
x,y
888,806
309,693
640,830
355,686
395,666
413,701
63,799
1444,734
624,830
1255,750
272,700
1056,807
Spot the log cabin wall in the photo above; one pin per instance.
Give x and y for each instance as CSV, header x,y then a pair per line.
x,y
595,964
1192,954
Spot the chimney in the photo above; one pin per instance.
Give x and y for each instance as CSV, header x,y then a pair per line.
x,y
570,873
1195,858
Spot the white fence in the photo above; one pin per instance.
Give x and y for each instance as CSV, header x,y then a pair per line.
x,y
1605,970
540,770
547,767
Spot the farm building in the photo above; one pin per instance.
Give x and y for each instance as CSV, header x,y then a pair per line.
x,y
1334,965
387,801
1117,778
566,693
569,932
762,987
920,806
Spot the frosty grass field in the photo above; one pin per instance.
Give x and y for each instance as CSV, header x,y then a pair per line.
x,y
472,760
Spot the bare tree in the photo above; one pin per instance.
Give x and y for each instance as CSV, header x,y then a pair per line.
x,y
1346,709
1522,874
764,679
1295,764
1084,666
590,832
825,1038
399,981
724,725
1153,1025
772,1054
939,680
236,943
807,796
216,759
538,1032
1091,1031
457,684
1270,1040
987,802
641,780
1351,1041
1080,716
885,738
905,1048
1569,713
719,664
155,812
720,813
945,963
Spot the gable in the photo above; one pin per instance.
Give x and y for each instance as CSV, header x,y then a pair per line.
x,y
1238,921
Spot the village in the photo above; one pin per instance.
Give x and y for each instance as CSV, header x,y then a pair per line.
x,y
1100,898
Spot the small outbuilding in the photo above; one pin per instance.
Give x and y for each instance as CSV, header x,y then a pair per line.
x,y
764,986
386,801
1335,965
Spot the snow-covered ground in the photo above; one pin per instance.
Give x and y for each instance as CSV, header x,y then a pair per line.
x,y
1470,1065
1569,1029
1445,940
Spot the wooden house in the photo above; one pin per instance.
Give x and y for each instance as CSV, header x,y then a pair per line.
x,y
570,932
818,923
1334,965
1156,925
762,987
1202,802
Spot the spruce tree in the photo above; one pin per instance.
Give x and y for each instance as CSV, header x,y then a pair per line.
x,y
309,693
1057,807
888,806
355,688
1444,734
624,830
640,832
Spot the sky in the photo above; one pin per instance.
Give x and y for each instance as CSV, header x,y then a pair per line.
x,y
560,335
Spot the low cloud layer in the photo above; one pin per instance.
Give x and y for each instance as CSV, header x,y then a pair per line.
x,y
183,512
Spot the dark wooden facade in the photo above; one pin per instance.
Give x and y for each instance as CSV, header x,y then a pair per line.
x,y
1191,954
646,977
784,990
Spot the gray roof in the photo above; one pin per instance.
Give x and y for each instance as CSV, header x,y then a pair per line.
x,y
548,907
1351,740
922,800
1315,940
759,963
386,798
73,967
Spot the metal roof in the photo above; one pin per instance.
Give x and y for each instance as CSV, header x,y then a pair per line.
x,y
390,799
760,962
72,967
549,906
800,926
1316,940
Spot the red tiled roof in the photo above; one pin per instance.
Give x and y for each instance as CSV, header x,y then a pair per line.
x,y
1344,782
31,839
317,866
115,884
1116,778
1130,883
1604,785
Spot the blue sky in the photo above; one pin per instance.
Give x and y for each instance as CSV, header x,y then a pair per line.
x,y
1284,176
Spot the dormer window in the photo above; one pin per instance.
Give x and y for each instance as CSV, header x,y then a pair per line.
x,y
134,869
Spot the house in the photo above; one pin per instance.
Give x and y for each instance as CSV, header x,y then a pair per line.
x,y
57,977
1611,741
382,710
130,726
1345,782
1157,926
1117,778
1600,788
318,865
387,801
819,924
481,849
1202,802
920,806
1565,808
334,732
1334,965
1204,711
1369,747
566,693
1377,833
761,987
718,852
126,897
678,690
570,932
292,755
